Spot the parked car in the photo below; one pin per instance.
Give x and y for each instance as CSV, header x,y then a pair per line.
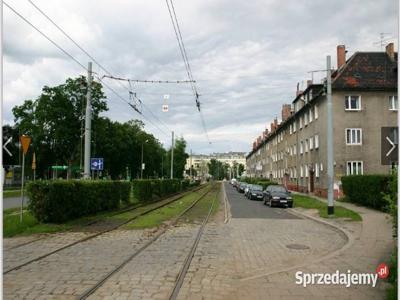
x,y
242,187
277,195
246,190
255,192
233,181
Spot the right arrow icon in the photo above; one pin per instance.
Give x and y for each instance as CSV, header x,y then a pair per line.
x,y
393,146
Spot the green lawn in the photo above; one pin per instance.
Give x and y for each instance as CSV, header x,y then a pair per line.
x,y
340,211
172,210
11,193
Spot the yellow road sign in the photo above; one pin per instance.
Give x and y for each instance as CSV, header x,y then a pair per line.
x,y
25,142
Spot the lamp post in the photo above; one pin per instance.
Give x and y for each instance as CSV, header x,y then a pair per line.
x,y
142,166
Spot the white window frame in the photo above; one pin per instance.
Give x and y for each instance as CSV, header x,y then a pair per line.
x,y
294,126
321,167
315,112
352,132
306,171
305,119
311,140
316,141
316,170
306,145
348,103
301,122
352,167
301,147
310,115
301,171
295,149
290,129
393,103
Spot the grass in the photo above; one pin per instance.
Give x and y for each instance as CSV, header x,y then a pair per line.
x,y
311,203
166,213
11,193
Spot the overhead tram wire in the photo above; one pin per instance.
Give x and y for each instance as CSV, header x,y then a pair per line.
x,y
73,58
96,62
183,52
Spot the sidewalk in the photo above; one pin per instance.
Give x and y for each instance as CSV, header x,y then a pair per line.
x,y
370,244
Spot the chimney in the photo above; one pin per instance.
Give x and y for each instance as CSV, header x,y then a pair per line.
x,y
309,82
341,55
390,50
286,110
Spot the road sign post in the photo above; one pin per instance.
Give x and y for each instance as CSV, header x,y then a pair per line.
x,y
34,166
25,142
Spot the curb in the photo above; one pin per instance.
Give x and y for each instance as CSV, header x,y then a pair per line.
x,y
227,208
349,242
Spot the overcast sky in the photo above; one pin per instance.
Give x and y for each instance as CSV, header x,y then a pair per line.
x,y
246,56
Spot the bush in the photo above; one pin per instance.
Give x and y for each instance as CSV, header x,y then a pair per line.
x,y
260,181
59,201
145,190
367,190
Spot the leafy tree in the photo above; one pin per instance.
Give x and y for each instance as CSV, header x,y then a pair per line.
x,y
218,170
180,157
55,121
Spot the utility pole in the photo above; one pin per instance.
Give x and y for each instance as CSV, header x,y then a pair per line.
x,y
88,123
141,165
172,156
329,135
190,167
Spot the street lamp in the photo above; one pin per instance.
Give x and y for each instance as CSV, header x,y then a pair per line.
x,y
142,166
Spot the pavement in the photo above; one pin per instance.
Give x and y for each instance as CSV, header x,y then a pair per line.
x,y
249,251
13,202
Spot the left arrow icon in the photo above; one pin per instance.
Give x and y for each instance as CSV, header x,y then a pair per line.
x,y
5,144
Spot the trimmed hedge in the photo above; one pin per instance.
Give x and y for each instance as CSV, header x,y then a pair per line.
x,y
59,200
145,190
367,190
263,182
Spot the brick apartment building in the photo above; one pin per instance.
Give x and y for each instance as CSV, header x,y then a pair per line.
x,y
364,96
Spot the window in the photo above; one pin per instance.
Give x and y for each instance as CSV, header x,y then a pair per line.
x,y
301,147
311,143
353,103
294,126
300,122
306,146
393,103
290,129
354,168
295,173
301,171
294,150
306,170
316,141
321,167
316,170
353,136
310,115
305,119
315,112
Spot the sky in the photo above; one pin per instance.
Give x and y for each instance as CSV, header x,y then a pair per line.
x,y
247,57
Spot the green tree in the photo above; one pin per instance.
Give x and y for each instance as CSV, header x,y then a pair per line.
x,y
55,121
218,170
180,157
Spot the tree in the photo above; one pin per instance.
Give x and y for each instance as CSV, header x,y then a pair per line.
x,y
55,121
180,157
218,170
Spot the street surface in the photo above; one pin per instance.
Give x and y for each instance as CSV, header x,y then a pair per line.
x,y
254,255
14,202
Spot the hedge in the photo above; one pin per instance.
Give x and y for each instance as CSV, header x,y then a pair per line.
x,y
59,200
367,190
260,181
145,190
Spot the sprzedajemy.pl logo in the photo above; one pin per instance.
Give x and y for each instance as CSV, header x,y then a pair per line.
x,y
346,279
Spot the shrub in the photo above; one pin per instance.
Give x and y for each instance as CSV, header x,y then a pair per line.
x,y
367,190
59,201
151,189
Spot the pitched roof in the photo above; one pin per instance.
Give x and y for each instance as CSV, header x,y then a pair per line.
x,y
367,71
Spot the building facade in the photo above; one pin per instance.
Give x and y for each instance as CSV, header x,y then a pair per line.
x,y
364,103
200,161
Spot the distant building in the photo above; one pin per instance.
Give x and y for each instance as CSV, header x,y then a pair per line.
x,y
200,161
364,96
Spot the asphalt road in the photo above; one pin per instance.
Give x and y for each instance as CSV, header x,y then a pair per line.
x,y
14,202
241,207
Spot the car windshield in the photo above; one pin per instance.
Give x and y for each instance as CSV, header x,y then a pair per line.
x,y
278,188
257,188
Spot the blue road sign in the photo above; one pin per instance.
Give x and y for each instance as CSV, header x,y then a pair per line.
x,y
96,164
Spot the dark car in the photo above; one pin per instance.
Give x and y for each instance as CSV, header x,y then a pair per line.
x,y
241,187
255,192
277,195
